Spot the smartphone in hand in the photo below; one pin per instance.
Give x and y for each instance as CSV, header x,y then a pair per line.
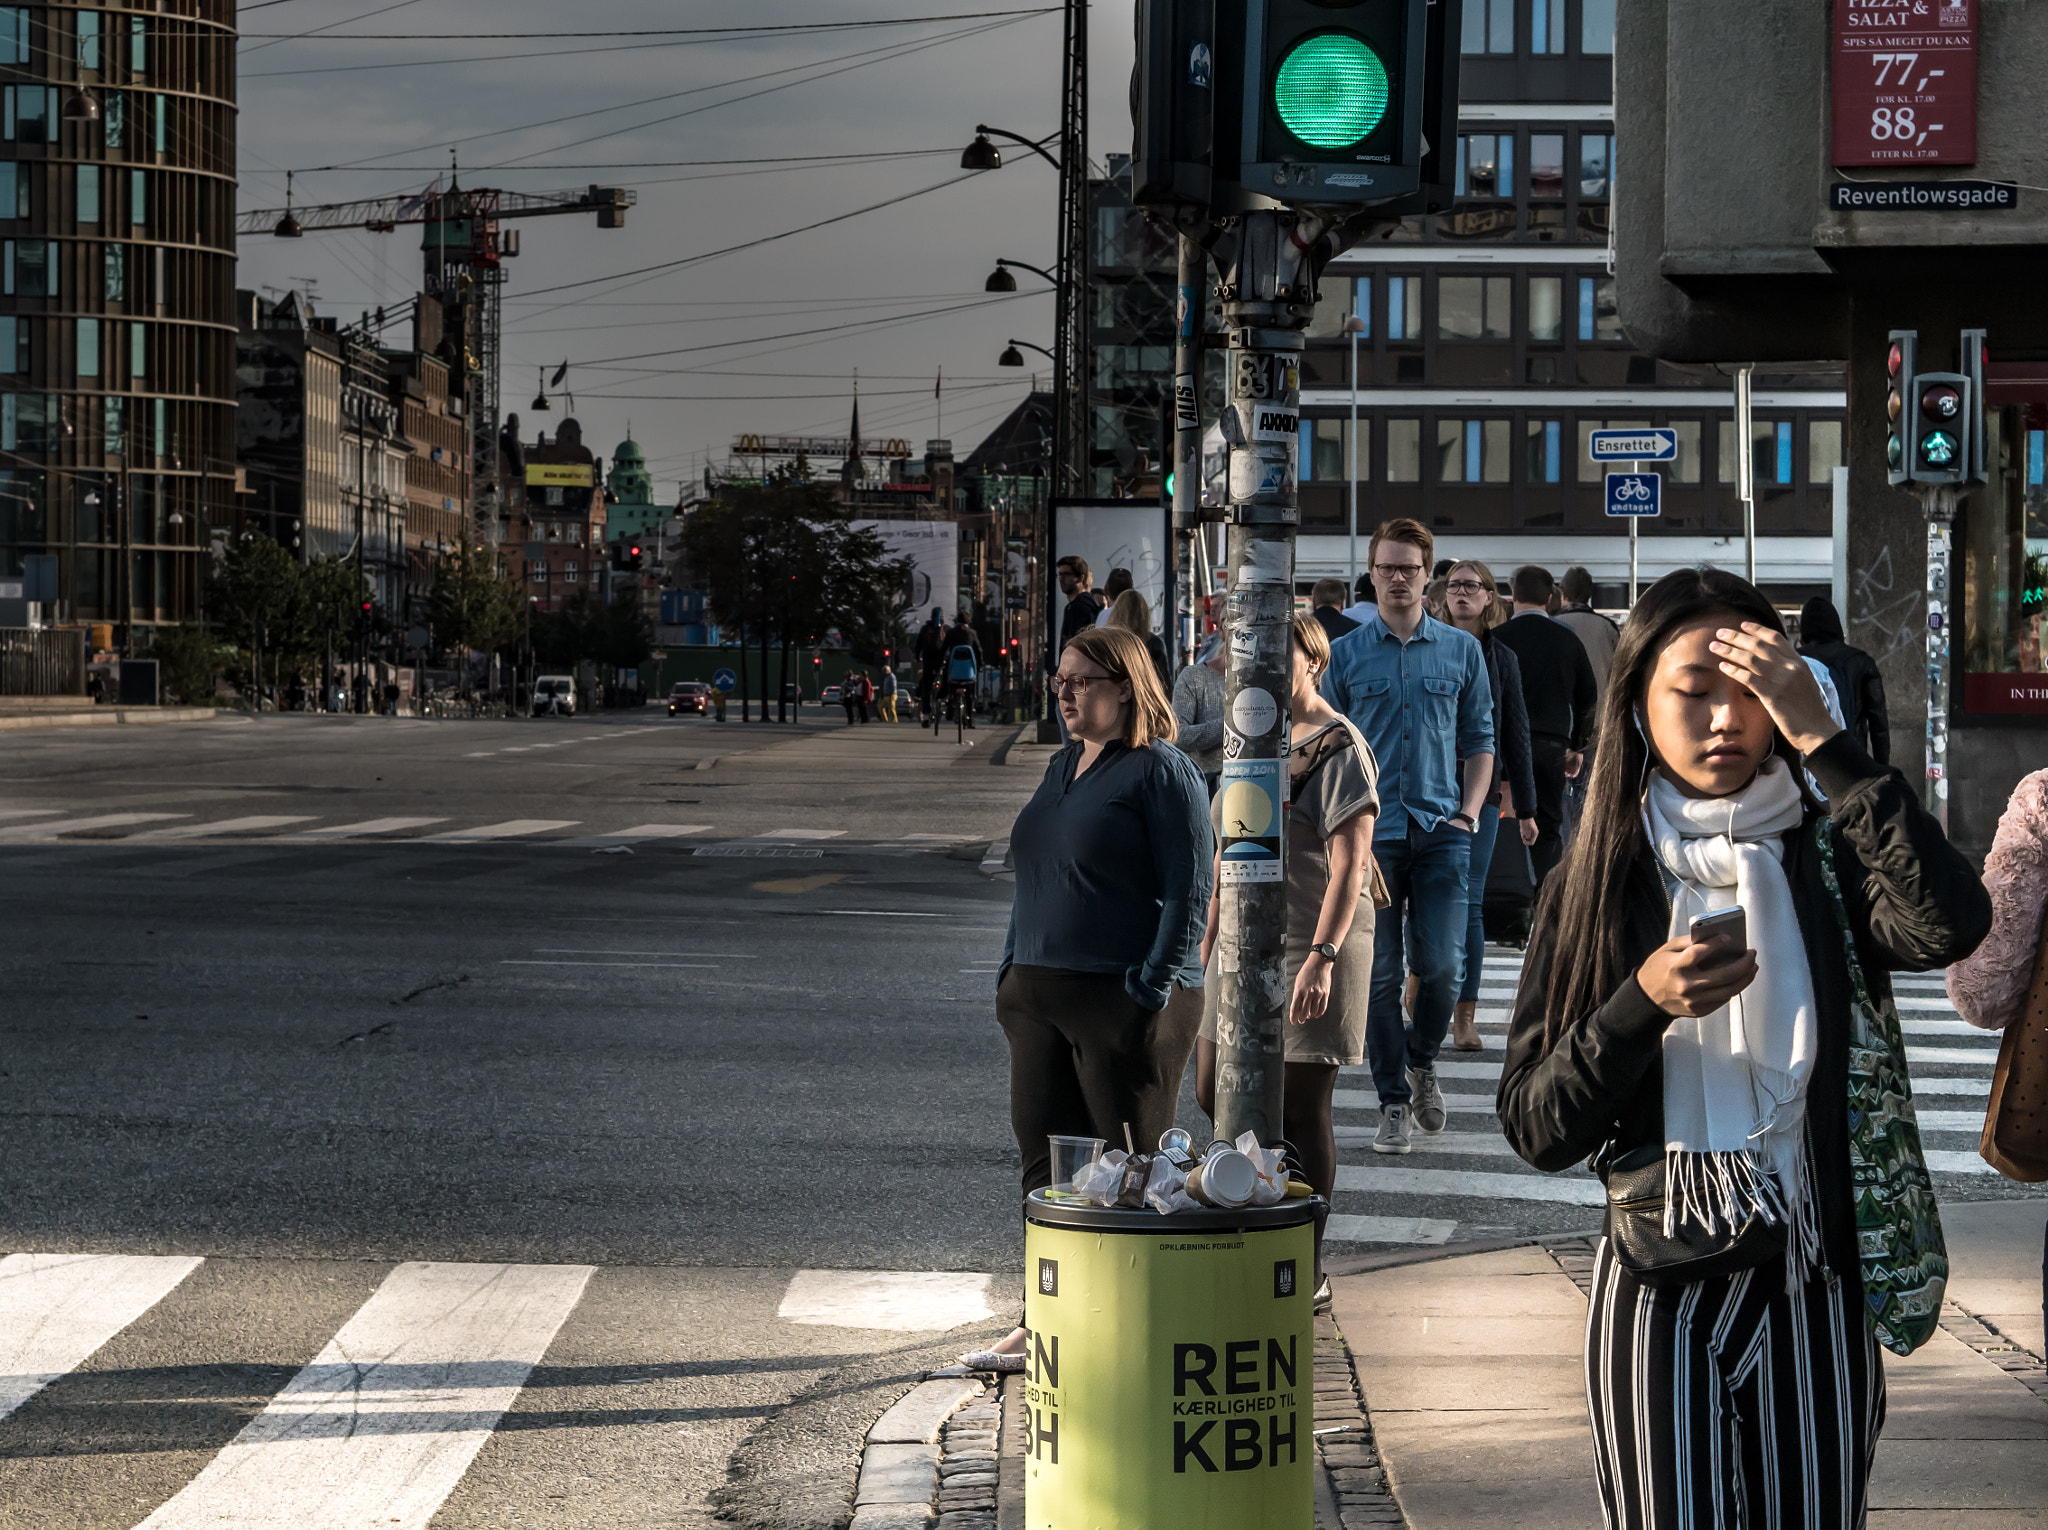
x,y
1732,923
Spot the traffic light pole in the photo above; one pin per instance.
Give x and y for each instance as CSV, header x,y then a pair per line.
x,y
1939,501
1187,432
1268,287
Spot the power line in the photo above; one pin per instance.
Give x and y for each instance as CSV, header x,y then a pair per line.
x,y
289,36
665,164
794,26
607,362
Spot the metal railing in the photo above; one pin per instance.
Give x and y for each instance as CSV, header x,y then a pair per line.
x,y
42,661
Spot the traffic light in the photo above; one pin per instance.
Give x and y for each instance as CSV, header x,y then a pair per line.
x,y
1898,366
633,555
1938,428
1332,96
1971,365
1173,94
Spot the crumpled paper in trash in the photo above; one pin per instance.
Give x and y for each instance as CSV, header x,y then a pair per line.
x,y
1166,1188
1271,1188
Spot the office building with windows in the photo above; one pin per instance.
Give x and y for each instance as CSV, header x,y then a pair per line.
x,y
117,303
1491,349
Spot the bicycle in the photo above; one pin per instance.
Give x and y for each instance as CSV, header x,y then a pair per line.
x,y
954,705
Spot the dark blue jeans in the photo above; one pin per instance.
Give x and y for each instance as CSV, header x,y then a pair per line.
x,y
1475,926
1427,875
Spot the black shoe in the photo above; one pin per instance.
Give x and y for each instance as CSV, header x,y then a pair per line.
x,y
1323,1294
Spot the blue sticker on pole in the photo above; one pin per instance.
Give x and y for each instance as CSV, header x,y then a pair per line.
x,y
1647,445
1250,794
1634,493
724,680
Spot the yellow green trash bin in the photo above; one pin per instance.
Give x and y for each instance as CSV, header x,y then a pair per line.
x,y
1169,1382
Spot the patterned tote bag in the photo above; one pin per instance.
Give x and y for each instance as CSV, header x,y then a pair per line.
x,y
1898,1228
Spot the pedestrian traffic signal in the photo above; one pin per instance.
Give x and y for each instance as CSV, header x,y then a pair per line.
x,y
1173,103
1898,366
1938,428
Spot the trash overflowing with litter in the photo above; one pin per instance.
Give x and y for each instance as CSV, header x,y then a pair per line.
x,y
1226,1177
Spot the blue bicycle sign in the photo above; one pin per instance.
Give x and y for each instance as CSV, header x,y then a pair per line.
x,y
1634,493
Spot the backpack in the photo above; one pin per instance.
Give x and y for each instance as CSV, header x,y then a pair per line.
x,y
960,664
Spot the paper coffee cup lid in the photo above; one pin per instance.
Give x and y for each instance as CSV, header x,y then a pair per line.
x,y
1230,1178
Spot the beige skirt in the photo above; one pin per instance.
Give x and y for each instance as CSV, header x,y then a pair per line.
x,y
1338,1034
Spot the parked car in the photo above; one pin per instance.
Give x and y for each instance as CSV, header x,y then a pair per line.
x,y
689,696
554,693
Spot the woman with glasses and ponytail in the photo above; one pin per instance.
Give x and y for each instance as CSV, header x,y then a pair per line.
x,y
1705,1014
1100,989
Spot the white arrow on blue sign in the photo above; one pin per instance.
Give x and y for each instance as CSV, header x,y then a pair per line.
x,y
1658,445
724,680
1634,493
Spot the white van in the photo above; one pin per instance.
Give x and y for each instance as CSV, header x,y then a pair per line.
x,y
554,693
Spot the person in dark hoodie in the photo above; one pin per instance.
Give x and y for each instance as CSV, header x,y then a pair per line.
x,y
1857,682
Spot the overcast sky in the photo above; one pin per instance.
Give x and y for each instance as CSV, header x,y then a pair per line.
x,y
652,350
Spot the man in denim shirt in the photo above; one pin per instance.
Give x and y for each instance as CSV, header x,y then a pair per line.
x,y
1418,691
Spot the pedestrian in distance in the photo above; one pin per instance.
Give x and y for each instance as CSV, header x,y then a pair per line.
x,y
1113,587
1326,605
718,702
848,696
1557,684
1475,606
1597,633
1419,693
863,694
1332,802
1099,990
888,702
1198,708
1858,685
1747,1275
1083,604
1132,612
1365,606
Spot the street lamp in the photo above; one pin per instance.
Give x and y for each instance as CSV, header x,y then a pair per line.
x,y
288,227
983,155
1000,280
1011,358
82,105
540,399
1354,327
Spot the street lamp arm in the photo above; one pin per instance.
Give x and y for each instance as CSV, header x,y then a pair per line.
x,y
1034,270
1048,355
1030,143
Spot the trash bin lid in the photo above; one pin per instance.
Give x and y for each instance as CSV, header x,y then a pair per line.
x,y
1205,1219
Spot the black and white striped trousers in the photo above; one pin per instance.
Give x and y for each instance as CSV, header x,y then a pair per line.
x,y
1730,1405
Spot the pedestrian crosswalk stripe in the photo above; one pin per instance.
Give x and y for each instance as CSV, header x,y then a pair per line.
x,y
1465,1144
1950,1120
1573,1189
512,828
382,1425
367,826
1973,1056
22,833
902,1301
1359,1099
30,812
638,832
1444,1069
227,826
1956,1161
57,1309
803,834
1342,1228
1952,1086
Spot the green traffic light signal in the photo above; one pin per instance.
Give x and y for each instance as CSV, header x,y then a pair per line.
x,y
1938,449
1331,90
1891,451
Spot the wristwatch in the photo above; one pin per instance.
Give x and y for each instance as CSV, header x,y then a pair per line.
x,y
1324,949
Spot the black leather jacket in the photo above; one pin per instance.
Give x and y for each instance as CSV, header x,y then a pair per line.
x,y
1914,903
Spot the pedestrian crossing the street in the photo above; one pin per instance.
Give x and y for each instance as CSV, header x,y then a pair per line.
x,y
399,1388
1397,1200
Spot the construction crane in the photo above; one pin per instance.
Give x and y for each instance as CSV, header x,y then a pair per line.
x,y
463,248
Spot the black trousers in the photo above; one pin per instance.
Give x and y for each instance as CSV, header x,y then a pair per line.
x,y
1731,1404
1085,1057
1547,754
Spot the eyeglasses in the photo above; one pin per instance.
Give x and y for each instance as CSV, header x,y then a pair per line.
x,y
1398,570
1464,587
1076,685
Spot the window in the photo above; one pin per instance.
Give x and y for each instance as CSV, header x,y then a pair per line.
x,y
554,531
88,39
138,40
163,428
1404,308
1325,451
1685,467
1486,165
28,422
1546,26
1598,318
1404,451
573,535
1596,153
1589,470
138,350
1546,308
117,426
1770,446
13,344
1475,307
162,123
1596,26
13,189
1489,26
88,347
138,198
2002,557
88,193
1544,453
114,117
1546,164
28,268
569,572
117,273
1779,444
1333,308
30,113
14,34
1823,450
1472,451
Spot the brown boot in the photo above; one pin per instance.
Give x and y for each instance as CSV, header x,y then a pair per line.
x,y
1464,1032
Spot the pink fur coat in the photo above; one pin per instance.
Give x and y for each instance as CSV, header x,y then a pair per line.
x,y
1988,987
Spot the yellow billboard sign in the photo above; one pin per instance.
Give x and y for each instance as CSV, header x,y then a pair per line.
x,y
560,475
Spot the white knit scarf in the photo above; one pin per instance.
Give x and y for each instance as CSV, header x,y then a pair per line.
x,y
1735,1080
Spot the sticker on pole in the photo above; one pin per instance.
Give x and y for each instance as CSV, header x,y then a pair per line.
x,y
724,680
1272,422
1250,797
1634,493
1659,445
1254,712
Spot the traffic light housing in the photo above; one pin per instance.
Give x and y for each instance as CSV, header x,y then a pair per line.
x,y
1173,96
1898,367
1971,365
1938,428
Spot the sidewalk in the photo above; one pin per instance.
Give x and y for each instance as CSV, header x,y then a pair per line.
x,y
1471,1371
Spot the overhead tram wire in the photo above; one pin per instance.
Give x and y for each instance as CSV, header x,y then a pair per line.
x,y
792,26
666,164
606,363
314,31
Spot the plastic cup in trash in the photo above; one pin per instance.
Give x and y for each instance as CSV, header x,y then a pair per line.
x,y
1070,1155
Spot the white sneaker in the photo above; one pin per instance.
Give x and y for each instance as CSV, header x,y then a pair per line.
x,y
1393,1133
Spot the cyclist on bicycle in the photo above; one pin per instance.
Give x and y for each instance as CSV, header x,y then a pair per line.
x,y
963,663
930,649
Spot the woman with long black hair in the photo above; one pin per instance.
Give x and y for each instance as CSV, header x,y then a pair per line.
x,y
1722,1090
